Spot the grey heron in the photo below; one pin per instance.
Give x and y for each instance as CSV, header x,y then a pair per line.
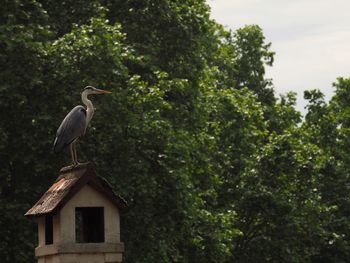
x,y
75,123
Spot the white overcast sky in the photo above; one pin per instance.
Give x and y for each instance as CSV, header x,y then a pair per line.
x,y
311,39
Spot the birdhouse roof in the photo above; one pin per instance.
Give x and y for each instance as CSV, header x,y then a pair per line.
x,y
70,182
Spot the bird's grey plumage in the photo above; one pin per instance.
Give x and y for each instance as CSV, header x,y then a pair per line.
x,y
72,127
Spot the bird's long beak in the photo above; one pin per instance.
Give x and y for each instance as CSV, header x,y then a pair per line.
x,y
101,91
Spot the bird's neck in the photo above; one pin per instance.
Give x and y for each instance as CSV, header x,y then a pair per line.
x,y
89,107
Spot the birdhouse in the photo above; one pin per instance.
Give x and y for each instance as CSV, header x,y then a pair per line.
x,y
79,219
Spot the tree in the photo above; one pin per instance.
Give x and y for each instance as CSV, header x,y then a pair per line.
x,y
327,127
253,54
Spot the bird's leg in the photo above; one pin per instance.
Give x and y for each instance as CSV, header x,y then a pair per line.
x,y
72,153
75,154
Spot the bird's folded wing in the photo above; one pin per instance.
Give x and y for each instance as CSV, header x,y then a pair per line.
x,y
72,127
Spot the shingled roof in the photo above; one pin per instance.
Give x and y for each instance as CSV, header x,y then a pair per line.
x,y
68,184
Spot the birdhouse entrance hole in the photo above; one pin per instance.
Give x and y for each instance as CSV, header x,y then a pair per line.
x,y
48,230
89,224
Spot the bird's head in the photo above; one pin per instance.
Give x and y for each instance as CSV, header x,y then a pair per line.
x,y
92,90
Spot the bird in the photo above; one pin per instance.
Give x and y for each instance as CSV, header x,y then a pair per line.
x,y
75,123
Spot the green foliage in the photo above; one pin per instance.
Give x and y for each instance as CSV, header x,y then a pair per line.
x,y
252,56
214,166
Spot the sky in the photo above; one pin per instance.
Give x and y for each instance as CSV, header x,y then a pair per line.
x,y
311,39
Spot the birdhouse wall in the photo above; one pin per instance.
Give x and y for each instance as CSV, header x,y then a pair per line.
x,y
89,197
41,231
